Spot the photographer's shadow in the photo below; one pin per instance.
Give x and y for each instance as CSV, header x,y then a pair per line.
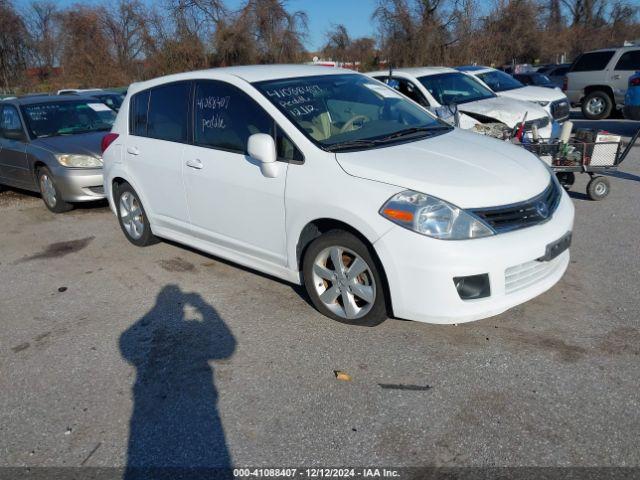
x,y
175,428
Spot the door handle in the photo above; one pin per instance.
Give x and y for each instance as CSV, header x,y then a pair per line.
x,y
197,164
616,77
133,150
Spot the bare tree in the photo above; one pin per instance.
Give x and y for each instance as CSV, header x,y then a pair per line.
x,y
125,26
86,59
13,46
338,44
42,19
278,33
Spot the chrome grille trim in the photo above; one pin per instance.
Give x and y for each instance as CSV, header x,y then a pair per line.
x,y
525,214
520,277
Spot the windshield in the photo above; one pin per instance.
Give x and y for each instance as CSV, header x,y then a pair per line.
x,y
540,79
499,81
454,87
112,100
349,111
67,118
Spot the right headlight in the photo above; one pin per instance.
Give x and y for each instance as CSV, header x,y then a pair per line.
x,y
433,217
79,161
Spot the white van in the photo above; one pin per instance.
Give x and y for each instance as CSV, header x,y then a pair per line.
x,y
436,88
330,179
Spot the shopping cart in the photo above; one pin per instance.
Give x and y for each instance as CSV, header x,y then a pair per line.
x,y
581,154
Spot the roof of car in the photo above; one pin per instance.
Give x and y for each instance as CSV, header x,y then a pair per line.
x,y
474,68
249,73
34,99
614,49
416,71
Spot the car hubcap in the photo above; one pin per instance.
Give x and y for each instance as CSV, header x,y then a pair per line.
x,y
131,215
48,190
344,282
601,189
595,106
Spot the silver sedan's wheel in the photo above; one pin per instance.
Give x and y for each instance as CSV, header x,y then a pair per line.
x,y
48,190
344,282
131,215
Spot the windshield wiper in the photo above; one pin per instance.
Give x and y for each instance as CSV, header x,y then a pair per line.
x,y
350,144
412,130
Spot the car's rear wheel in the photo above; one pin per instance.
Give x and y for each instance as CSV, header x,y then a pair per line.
x,y
132,217
597,105
343,280
50,193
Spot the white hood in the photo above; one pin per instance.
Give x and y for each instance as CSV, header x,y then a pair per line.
x,y
464,168
533,94
505,110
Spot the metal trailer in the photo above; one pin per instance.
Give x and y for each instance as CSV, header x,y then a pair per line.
x,y
577,156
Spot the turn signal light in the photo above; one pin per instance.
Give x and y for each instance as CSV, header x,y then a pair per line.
x,y
401,215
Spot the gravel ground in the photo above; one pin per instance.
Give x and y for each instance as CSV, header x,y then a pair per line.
x,y
112,355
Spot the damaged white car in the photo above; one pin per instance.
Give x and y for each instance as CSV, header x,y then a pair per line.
x,y
553,100
446,91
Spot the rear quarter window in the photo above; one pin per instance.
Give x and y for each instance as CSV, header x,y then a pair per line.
x,y
138,114
629,61
590,62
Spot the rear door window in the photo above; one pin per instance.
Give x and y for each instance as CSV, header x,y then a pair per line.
x,y
589,62
168,117
225,117
629,61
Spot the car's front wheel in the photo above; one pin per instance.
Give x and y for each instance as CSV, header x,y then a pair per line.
x,y
343,280
50,193
132,217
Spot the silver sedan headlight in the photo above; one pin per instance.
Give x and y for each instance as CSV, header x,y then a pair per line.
x,y
79,161
433,217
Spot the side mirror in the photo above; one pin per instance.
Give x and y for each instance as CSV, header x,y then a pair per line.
x,y
14,135
453,108
261,147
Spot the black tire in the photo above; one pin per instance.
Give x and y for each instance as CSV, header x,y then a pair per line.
x,y
372,277
598,188
597,98
566,179
146,237
50,193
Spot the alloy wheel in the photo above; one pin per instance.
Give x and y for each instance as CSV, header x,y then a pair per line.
x,y
48,190
595,106
344,282
131,215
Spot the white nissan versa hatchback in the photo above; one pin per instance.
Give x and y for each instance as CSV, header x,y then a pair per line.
x,y
331,179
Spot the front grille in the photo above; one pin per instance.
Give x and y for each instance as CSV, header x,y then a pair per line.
x,y
522,276
539,122
560,109
523,214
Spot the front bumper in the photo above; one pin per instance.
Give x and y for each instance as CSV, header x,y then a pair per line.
x,y
631,112
79,184
420,269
